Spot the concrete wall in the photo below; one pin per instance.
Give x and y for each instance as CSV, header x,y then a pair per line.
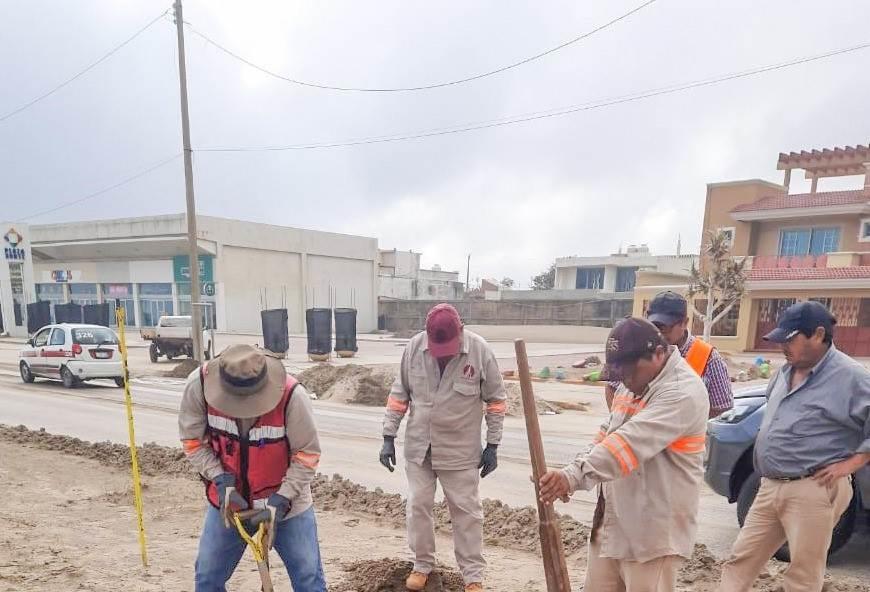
x,y
557,294
566,278
254,279
173,224
351,284
411,315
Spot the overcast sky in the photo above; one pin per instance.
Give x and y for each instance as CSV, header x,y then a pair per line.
x,y
515,197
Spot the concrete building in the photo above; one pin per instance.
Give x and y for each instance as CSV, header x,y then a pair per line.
x,y
401,278
244,267
616,273
16,278
799,246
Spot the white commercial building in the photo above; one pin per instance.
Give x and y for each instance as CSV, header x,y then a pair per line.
x,y
617,273
244,267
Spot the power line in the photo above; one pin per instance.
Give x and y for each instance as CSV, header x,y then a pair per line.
x,y
81,73
474,126
322,86
79,200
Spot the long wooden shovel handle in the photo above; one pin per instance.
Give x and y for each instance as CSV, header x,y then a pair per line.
x,y
555,569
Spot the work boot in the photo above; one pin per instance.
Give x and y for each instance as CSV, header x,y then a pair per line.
x,y
416,581
474,587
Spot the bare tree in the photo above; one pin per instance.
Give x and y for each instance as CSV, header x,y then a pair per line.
x,y
722,281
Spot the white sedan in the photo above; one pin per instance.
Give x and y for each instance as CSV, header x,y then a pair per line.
x,y
72,353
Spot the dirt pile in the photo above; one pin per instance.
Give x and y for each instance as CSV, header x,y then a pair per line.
x,y
515,402
389,575
182,369
153,459
352,383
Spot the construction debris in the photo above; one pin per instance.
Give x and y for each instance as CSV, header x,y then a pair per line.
x,y
182,369
389,575
350,383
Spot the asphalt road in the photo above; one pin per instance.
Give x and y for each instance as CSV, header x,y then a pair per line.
x,y
350,438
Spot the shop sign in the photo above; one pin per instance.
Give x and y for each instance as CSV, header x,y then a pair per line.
x,y
61,276
11,241
118,290
181,268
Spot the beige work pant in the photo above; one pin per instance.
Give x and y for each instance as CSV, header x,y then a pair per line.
x,y
801,512
466,516
604,574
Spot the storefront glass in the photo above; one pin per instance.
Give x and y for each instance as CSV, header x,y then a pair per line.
x,y
207,297
83,294
155,300
121,294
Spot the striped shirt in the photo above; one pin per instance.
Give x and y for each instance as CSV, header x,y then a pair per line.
x,y
715,377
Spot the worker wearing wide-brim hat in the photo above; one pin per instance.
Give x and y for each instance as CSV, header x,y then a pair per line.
x,y
248,428
448,383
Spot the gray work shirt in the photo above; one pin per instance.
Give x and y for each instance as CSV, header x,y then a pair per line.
x,y
821,421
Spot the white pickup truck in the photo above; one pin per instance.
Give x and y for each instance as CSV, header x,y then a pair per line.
x,y
172,337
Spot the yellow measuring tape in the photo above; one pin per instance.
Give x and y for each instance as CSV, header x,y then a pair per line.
x,y
255,542
134,457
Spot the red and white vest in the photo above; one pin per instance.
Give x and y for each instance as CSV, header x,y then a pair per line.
x,y
260,461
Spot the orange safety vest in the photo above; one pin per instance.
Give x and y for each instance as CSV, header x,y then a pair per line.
x,y
698,355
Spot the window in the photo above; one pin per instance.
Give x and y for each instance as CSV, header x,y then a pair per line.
x,y
626,278
53,293
41,338
58,337
728,231
94,336
121,294
799,242
590,278
83,293
155,301
864,230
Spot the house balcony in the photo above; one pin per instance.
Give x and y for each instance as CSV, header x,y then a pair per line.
x,y
829,271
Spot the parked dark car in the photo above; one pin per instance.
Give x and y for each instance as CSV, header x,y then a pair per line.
x,y
730,471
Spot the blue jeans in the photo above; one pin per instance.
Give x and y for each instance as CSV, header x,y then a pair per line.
x,y
221,548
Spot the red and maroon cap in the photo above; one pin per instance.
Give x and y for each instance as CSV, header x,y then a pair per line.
x,y
628,341
444,329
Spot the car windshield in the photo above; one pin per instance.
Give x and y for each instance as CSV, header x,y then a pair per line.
x,y
94,336
175,322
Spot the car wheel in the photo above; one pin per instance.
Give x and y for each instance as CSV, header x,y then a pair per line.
x,y
69,380
842,531
170,356
119,380
153,353
26,374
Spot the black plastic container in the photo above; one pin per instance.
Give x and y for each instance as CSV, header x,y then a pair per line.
x,y
276,331
345,330
68,313
98,314
38,315
318,322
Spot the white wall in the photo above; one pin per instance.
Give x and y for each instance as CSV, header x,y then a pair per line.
x,y
351,282
254,278
566,278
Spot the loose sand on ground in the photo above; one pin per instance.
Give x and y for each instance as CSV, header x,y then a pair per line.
x,y
69,525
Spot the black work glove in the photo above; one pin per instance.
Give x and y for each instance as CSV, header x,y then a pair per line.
x,y
488,460
230,499
277,507
388,453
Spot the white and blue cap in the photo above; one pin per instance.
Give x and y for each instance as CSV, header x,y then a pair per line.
x,y
801,317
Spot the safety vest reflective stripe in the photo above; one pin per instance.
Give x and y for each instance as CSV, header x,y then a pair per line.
x,y
698,355
223,424
619,448
266,433
394,404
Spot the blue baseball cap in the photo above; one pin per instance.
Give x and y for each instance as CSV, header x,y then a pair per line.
x,y
800,317
668,308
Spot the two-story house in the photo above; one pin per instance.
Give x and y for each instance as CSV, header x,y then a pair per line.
x,y
808,246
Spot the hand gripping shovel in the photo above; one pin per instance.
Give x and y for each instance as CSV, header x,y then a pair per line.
x,y
257,545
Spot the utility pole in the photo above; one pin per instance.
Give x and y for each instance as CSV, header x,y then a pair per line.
x,y
468,274
192,248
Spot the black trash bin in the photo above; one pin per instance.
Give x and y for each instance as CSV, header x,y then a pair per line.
x,y
318,322
98,314
345,332
276,331
68,313
38,315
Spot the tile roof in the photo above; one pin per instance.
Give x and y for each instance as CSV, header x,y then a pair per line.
x,y
806,200
825,153
810,273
